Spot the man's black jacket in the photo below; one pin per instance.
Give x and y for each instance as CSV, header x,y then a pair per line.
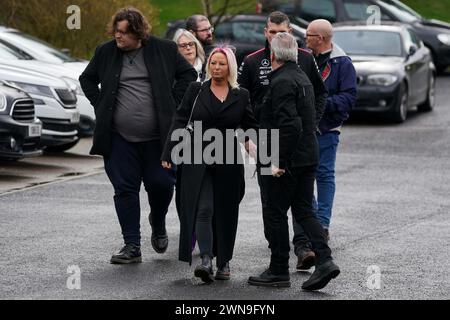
x,y
256,66
289,107
170,75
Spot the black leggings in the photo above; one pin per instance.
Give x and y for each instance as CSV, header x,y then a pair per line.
x,y
205,212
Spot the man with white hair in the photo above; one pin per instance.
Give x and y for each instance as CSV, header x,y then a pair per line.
x,y
289,107
253,76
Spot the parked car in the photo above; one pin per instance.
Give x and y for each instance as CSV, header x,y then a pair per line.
x,y
394,68
13,56
37,49
55,105
245,32
434,33
20,129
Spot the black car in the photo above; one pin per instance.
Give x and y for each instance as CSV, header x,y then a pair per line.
x,y
20,130
245,32
395,71
435,34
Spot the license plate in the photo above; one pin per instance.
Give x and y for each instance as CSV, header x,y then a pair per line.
x,y
34,130
75,117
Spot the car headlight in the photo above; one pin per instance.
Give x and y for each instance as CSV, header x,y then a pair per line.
x,y
381,79
3,102
35,89
74,85
444,38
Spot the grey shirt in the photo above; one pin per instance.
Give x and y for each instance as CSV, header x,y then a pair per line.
x,y
135,116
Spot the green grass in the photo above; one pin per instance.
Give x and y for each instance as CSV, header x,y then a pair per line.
x,y
168,10
431,9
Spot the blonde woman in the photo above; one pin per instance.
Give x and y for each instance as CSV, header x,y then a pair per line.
x,y
210,194
191,49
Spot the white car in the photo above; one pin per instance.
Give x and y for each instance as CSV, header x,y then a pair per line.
x,y
37,49
13,56
55,103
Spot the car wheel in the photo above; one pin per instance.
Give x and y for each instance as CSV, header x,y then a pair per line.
x,y
63,147
401,108
431,97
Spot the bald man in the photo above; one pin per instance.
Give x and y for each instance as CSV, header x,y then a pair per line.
x,y
339,77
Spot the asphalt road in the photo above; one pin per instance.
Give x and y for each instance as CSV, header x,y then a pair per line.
x,y
391,215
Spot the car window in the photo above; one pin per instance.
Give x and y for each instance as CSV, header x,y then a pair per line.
x,y
8,53
357,10
249,32
369,43
399,11
34,44
317,9
414,38
224,31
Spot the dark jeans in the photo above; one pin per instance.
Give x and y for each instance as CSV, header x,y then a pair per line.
x,y
128,165
204,219
292,190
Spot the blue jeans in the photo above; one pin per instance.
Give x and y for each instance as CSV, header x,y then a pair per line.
x,y
326,186
325,176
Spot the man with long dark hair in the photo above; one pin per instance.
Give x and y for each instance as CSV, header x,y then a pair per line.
x,y
142,79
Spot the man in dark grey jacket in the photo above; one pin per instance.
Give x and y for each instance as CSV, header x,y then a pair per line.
x,y
289,107
142,80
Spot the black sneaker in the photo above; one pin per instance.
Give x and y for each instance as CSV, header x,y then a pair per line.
x,y
268,279
306,259
321,276
130,253
204,270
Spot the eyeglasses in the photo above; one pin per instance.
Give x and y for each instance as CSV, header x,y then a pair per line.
x,y
210,29
313,35
186,45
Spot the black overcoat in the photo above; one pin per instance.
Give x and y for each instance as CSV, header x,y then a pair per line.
x,y
170,75
236,112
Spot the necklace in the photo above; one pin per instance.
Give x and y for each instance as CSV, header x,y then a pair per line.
x,y
131,60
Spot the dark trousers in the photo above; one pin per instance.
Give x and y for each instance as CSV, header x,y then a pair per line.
x,y
205,213
128,165
292,190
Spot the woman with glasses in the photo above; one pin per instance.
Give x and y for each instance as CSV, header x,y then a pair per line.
x,y
211,191
191,49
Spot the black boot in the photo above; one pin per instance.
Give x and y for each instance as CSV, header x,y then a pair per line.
x,y
204,271
268,279
223,272
159,240
321,276
130,253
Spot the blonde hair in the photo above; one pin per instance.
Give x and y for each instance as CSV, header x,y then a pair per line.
x,y
232,65
200,53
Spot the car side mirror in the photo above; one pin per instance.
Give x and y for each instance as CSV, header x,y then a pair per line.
x,y
66,51
412,50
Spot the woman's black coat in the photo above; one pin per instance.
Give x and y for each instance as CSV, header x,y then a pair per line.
x,y
229,185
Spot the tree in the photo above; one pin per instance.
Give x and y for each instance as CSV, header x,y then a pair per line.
x,y
219,11
46,19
